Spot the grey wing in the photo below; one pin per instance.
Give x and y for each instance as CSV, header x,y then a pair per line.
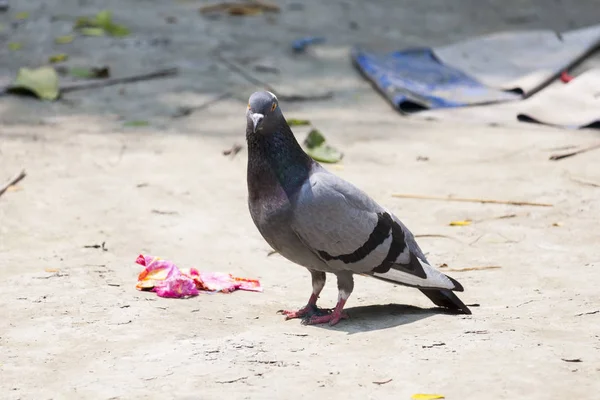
x,y
349,231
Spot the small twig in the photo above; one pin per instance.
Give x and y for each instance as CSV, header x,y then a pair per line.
x,y
13,182
588,313
233,380
584,181
161,212
163,73
96,246
433,345
472,268
236,148
383,382
470,200
185,111
522,304
296,334
255,81
556,157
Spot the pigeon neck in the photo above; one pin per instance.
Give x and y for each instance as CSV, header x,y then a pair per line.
x,y
276,160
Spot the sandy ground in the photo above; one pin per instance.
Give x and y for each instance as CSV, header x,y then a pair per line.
x,y
167,190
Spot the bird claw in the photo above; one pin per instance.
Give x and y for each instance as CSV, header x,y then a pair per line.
x,y
332,318
308,311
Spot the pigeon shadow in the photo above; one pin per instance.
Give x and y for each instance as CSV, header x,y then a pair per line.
x,y
378,317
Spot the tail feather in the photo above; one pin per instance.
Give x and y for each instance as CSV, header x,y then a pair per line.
x,y
445,298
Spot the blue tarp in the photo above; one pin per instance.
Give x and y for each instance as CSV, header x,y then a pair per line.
x,y
414,80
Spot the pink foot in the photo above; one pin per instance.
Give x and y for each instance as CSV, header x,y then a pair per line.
x,y
294,314
332,318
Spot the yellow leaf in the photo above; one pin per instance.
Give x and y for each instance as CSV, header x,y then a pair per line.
x,y
22,15
64,39
56,58
466,222
51,269
14,46
423,396
42,82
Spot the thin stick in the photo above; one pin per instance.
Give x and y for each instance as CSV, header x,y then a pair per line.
x,y
585,181
469,200
13,182
163,73
255,81
556,157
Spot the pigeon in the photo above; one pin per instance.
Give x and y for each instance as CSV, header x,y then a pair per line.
x,y
322,222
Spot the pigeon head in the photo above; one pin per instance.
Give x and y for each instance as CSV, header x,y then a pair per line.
x,y
263,112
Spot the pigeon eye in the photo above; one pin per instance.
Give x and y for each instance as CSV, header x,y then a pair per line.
x,y
273,106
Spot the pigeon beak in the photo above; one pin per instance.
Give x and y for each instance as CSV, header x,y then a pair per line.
x,y
256,120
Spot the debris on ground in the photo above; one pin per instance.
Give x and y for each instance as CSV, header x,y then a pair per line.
x,y
12,182
465,222
56,58
300,45
167,280
556,157
100,25
470,200
240,8
298,122
232,152
88,72
316,147
41,82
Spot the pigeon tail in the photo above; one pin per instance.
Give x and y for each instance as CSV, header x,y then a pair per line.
x,y
445,298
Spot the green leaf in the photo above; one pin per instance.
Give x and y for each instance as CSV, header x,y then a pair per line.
x,y
135,123
14,46
22,15
42,82
92,31
117,30
315,138
56,58
101,22
90,72
319,150
64,39
298,122
104,18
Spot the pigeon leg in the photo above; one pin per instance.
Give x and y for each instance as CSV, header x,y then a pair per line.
x,y
345,287
318,282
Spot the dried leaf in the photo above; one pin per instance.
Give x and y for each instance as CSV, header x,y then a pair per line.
x,y
21,15
135,123
14,46
56,58
249,8
298,122
42,82
557,224
51,269
465,222
64,39
90,72
423,396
